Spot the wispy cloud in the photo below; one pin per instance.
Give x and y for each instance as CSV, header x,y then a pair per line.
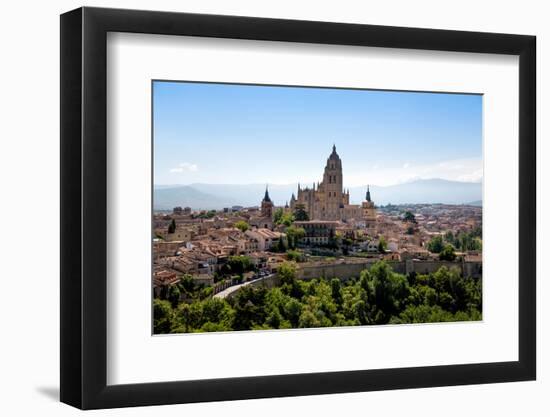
x,y
184,167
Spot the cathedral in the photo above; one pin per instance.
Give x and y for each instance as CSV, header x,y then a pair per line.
x,y
328,200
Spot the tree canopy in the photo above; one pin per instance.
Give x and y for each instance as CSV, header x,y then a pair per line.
x,y
294,235
409,217
447,253
435,245
172,226
378,296
300,213
382,244
242,225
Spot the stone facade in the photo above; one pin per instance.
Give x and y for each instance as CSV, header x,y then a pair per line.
x,y
328,200
318,231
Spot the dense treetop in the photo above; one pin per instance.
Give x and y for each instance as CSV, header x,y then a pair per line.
x,y
378,296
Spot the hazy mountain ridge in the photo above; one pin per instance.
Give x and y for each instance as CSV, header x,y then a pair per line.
x,y
186,196
217,196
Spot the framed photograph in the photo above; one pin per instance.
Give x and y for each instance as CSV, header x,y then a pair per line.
x,y
257,208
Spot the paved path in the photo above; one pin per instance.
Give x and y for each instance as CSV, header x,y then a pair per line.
x,y
230,290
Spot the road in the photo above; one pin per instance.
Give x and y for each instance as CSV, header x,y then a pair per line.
x,y
230,290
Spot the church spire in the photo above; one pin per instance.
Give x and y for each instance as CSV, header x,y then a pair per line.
x,y
368,194
266,196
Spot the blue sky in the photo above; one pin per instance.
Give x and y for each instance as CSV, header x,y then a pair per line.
x,y
241,134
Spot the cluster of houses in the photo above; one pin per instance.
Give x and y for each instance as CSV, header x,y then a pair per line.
x,y
201,243
201,247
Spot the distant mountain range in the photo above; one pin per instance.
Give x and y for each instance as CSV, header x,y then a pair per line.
x,y
217,196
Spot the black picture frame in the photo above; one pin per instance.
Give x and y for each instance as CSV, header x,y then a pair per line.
x,y
84,207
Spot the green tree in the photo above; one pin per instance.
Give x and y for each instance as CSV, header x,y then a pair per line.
x,y
294,255
162,316
294,235
409,217
183,316
208,214
449,237
280,246
423,314
364,279
360,310
239,264
336,291
293,309
173,295
274,319
216,310
379,296
189,317
205,292
187,284
249,307
287,219
308,320
214,327
447,253
382,245
278,215
388,291
242,225
289,284
172,226
287,272
428,294
435,245
300,213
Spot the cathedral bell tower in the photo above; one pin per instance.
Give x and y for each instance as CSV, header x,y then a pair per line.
x,y
333,187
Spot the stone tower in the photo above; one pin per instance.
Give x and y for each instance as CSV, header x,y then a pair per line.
x,y
369,211
333,186
327,200
267,205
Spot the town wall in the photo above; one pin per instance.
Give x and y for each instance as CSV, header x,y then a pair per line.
x,y
350,270
345,271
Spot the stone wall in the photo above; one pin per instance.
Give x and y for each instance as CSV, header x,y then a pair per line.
x,y
348,270
269,282
345,271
